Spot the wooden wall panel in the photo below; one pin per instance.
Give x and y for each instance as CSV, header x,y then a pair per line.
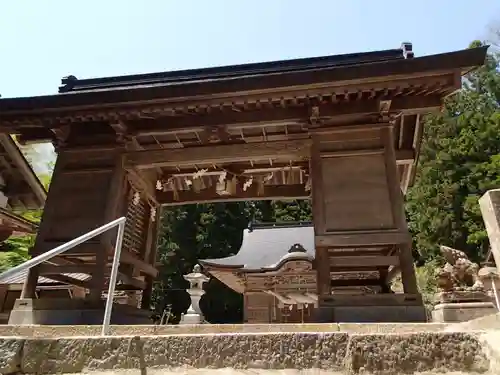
x,y
77,199
356,195
82,204
258,307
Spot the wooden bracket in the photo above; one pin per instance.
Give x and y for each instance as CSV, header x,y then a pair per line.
x,y
214,134
61,135
314,116
122,131
384,107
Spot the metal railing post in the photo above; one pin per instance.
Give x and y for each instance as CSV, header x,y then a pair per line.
x,y
112,279
120,222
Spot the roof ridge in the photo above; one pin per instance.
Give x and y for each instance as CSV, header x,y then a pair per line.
x,y
279,224
72,83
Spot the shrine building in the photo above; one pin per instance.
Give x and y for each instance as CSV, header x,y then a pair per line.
x,y
342,130
274,269
20,190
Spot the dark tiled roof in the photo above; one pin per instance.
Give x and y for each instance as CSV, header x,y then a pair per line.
x,y
21,276
17,222
72,84
266,246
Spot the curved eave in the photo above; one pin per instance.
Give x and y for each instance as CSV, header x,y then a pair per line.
x,y
17,223
213,266
24,168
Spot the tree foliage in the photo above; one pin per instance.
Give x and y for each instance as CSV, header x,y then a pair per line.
x,y
210,231
459,162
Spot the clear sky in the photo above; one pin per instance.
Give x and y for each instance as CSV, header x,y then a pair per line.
x,y
43,41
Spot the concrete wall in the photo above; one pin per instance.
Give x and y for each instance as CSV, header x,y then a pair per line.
x,y
389,354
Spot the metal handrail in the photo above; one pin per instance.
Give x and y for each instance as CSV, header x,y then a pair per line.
x,y
120,222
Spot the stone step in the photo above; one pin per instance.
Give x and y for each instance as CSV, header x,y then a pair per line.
x,y
152,330
332,352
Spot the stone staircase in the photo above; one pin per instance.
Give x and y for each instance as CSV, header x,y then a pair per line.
x,y
391,349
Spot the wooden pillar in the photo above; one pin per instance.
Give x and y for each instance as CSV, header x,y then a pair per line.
x,y
85,193
322,260
114,202
31,282
408,277
150,257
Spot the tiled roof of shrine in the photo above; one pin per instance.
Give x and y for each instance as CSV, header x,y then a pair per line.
x,y
267,246
73,84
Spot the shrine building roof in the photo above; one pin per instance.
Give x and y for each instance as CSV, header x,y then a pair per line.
x,y
254,117
73,84
268,246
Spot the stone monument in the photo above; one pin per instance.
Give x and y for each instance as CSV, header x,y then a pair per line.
x,y
462,294
489,204
490,278
196,280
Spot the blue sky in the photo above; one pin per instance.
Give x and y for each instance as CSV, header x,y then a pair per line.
x,y
43,41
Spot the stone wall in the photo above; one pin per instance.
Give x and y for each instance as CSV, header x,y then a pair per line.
x,y
199,329
341,352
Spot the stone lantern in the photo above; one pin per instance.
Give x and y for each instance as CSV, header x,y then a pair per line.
x,y
196,280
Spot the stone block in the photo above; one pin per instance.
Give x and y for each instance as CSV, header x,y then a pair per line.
x,y
489,204
271,351
396,354
10,355
461,312
66,355
388,354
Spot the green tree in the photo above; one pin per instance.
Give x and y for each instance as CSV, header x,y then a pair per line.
x,y
459,161
210,231
195,232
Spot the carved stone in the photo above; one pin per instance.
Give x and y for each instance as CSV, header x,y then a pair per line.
x,y
458,280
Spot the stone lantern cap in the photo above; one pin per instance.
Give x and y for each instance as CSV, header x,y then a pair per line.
x,y
196,278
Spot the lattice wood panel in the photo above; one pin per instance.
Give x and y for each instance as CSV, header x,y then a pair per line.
x,y
138,216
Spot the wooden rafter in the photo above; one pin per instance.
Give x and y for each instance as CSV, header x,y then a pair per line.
x,y
281,116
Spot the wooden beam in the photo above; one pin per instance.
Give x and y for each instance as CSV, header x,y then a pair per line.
x,y
70,280
355,282
217,154
362,261
53,269
281,192
354,238
131,281
280,116
128,258
404,157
